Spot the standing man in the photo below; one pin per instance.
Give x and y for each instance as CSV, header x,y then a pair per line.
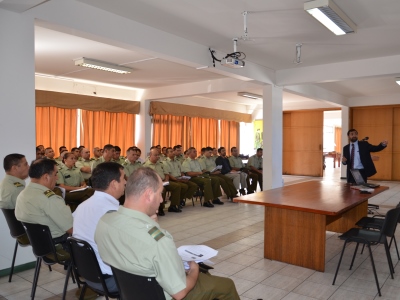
x,y
11,186
132,162
108,153
147,250
357,155
108,180
38,204
237,164
175,171
211,187
255,164
175,189
84,164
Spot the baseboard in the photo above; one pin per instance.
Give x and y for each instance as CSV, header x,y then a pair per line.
x,y
20,268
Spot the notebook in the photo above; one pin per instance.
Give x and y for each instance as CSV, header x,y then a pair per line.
x,y
360,180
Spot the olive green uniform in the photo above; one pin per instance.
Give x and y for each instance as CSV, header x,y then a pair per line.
x,y
131,241
236,162
38,205
120,160
73,177
175,169
129,167
84,163
256,162
97,162
226,183
173,187
10,187
180,158
211,186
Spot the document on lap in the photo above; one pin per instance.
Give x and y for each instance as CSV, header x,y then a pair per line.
x,y
78,190
184,177
219,167
197,253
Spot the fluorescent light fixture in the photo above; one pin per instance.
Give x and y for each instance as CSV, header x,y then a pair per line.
x,y
101,65
250,95
331,16
398,80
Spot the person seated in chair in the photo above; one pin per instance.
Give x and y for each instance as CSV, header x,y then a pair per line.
x,y
38,204
108,181
132,241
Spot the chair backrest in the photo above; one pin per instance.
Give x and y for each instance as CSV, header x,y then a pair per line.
x,y
137,287
85,261
41,240
15,226
390,223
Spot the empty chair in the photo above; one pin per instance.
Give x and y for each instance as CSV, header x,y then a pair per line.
x,y
372,237
376,222
17,231
44,250
85,263
137,287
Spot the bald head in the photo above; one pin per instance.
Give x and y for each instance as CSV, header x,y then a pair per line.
x,y
85,153
154,155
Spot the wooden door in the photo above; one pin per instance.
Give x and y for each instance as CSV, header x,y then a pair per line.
x,y
302,143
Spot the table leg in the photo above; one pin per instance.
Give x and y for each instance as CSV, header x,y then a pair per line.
x,y
295,237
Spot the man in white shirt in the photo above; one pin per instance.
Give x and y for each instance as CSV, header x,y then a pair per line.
x,y
108,180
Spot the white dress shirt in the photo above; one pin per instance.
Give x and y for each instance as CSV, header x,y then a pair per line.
x,y
86,217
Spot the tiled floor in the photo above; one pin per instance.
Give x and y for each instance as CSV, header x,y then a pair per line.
x,y
236,231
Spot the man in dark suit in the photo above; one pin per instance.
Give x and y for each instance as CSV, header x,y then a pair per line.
x,y
361,158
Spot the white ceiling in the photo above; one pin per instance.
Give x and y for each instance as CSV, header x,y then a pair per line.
x,y
275,26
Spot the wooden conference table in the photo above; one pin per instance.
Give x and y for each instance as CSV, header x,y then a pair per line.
x,y
297,216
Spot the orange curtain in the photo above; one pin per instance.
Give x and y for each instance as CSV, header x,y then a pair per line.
x,y
169,130
229,135
338,139
204,132
56,127
99,128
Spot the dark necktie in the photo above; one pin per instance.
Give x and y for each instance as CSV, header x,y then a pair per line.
x,y
352,157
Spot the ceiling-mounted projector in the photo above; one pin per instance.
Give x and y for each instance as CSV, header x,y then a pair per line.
x,y
231,62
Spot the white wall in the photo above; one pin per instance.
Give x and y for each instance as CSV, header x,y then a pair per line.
x,y
17,113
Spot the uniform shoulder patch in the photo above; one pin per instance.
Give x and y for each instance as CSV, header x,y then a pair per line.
x,y
156,233
48,193
18,184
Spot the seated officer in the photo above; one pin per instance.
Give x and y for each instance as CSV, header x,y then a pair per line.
x,y
37,203
84,164
236,164
108,153
70,178
132,162
211,187
255,164
116,156
175,171
208,164
173,187
49,153
147,250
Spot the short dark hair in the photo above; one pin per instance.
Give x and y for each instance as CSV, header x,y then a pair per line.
x,y
66,155
153,147
259,149
140,180
81,146
167,148
117,149
12,160
177,146
40,167
208,149
164,148
108,147
220,149
233,148
104,173
61,147
38,149
351,130
74,148
203,149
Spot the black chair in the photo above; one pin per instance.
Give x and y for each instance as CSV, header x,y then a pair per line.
x,y
85,263
17,231
44,249
372,237
137,287
198,195
376,222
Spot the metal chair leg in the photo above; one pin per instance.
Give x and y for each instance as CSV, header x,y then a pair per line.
x,y
373,268
36,277
13,261
66,281
340,261
354,256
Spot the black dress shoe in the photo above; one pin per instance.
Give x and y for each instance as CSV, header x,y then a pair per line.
x,y
183,203
242,192
208,204
161,213
217,201
250,192
174,208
